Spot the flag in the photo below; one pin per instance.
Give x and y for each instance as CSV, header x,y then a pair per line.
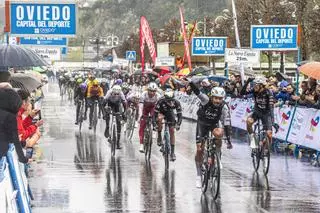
x,y
186,43
146,37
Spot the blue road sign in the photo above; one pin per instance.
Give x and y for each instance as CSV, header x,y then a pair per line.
x,y
43,41
274,37
207,46
64,50
131,55
43,19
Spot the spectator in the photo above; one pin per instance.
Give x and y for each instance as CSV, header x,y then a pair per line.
x,y
304,87
317,103
29,133
9,106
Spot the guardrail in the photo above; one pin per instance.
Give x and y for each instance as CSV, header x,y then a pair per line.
x,y
14,196
297,125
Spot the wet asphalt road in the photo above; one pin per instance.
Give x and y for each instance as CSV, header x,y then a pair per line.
x,y
75,173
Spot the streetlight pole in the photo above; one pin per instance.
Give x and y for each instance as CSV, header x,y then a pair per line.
x,y
98,41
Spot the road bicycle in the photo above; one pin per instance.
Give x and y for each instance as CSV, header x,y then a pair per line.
x,y
166,146
210,168
81,113
147,140
113,130
130,124
262,150
95,115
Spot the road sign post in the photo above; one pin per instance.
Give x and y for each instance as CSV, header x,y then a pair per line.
x,y
131,55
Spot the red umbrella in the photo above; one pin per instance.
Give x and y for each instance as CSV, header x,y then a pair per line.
x,y
164,79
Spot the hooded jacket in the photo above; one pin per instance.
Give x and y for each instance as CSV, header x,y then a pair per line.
x,y
10,103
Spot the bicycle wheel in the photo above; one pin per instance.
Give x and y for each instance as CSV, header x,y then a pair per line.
x,y
150,143
130,127
205,174
166,150
95,118
215,175
265,156
113,139
146,143
80,117
255,154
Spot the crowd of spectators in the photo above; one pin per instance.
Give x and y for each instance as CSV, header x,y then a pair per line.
x,y
18,120
284,92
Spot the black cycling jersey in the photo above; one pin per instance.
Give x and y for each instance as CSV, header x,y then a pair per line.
x,y
166,106
210,113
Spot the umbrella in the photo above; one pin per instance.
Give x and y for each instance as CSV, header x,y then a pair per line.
x,y
202,70
163,70
216,78
38,69
25,82
236,69
146,72
18,56
183,72
311,69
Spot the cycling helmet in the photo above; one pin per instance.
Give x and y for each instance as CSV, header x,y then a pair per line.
x,y
72,80
125,86
118,82
116,89
152,86
218,92
260,80
83,86
169,93
79,80
95,82
137,95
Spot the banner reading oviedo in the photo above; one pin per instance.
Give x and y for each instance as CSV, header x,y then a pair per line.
x,y
146,36
45,18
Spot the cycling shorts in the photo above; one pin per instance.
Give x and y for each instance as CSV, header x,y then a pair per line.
x,y
203,130
265,118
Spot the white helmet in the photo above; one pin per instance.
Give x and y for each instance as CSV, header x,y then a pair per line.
x,y
116,89
152,86
260,80
218,92
136,95
169,93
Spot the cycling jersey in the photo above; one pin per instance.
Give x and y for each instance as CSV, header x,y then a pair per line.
x,y
112,98
149,101
166,107
94,91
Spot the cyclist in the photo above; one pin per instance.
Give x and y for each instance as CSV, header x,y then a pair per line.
x,y
125,89
149,99
79,94
89,83
213,115
95,92
165,107
133,100
263,107
113,99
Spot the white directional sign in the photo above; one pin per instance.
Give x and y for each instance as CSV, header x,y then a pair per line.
x,y
48,54
164,61
245,56
131,55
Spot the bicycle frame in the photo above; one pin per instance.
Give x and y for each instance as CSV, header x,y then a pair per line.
x,y
166,145
148,137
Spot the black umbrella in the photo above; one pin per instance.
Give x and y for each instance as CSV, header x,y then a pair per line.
x,y
18,56
25,82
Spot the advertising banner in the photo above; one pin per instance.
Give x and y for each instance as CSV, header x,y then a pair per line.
x,y
29,18
274,37
240,110
209,46
44,41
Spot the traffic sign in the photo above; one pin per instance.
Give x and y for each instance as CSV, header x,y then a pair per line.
x,y
208,46
274,37
131,55
245,56
29,18
43,41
